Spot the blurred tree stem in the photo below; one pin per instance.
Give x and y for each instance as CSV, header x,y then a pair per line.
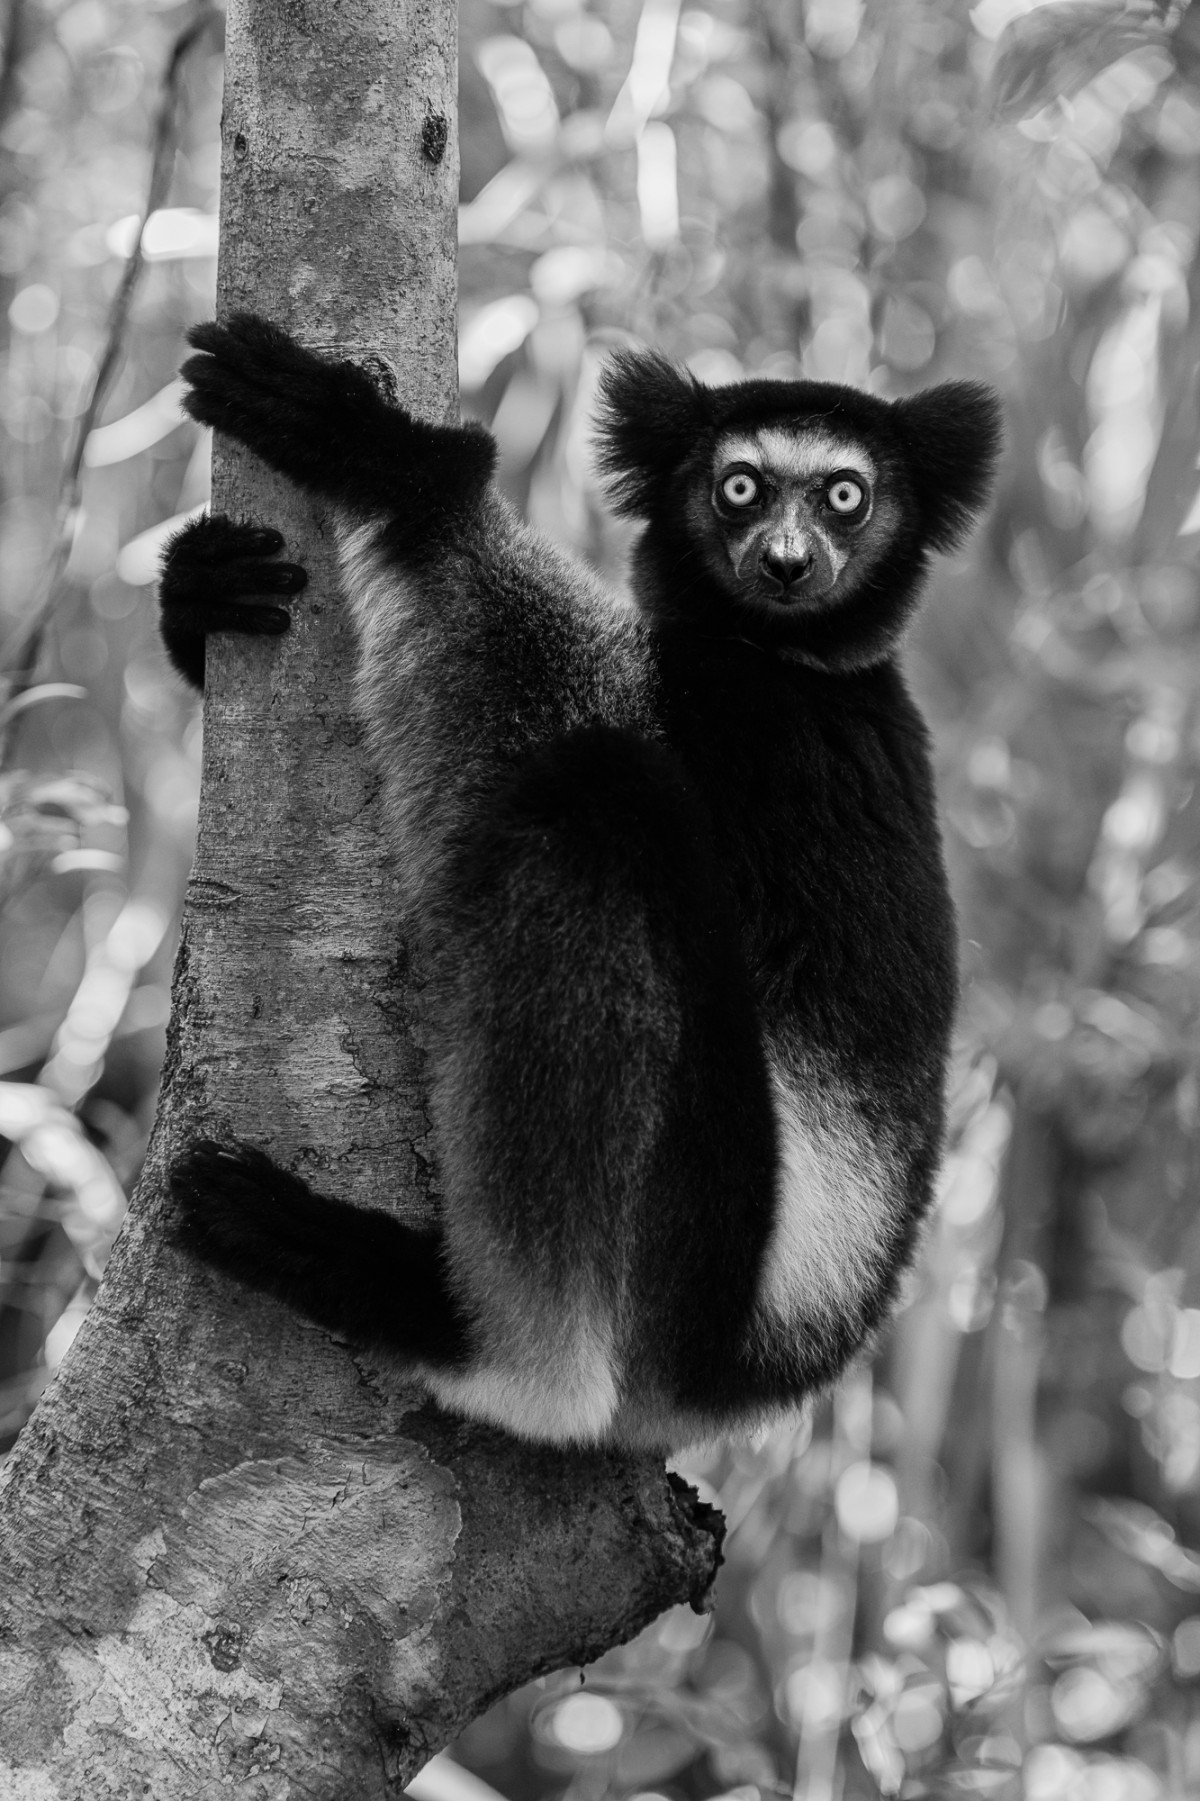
x,y
232,1554
1016,1327
11,45
818,1772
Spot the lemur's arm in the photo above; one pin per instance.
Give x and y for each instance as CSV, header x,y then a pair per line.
x,y
325,426
477,639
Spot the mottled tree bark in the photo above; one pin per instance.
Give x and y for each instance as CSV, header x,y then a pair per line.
x,y
235,1556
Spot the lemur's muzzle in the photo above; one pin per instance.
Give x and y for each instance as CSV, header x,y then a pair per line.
x,y
796,570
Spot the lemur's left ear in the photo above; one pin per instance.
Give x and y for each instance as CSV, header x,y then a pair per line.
x,y
953,435
649,415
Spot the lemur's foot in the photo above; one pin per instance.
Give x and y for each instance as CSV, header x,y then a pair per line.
x,y
238,1210
214,573
354,1270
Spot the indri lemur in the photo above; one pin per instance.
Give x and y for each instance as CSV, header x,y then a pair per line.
x,y
673,871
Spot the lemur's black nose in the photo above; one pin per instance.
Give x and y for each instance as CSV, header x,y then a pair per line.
x,y
787,569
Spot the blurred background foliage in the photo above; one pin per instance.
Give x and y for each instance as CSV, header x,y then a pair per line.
x,y
976,1569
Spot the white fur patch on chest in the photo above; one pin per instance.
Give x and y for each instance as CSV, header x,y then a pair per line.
x,y
837,1202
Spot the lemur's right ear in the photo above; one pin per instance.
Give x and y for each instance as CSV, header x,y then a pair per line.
x,y
952,435
649,417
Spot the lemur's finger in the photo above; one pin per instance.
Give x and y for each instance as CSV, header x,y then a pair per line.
x,y
246,342
240,578
264,358
259,540
215,540
277,578
256,351
261,408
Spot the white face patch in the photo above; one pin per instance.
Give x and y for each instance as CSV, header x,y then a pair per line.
x,y
796,455
790,526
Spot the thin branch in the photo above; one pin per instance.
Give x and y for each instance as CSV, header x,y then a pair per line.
x,y
162,158
10,53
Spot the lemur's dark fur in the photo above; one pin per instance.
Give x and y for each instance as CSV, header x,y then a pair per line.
x,y
674,873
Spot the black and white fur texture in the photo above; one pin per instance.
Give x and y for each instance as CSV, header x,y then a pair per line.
x,y
673,870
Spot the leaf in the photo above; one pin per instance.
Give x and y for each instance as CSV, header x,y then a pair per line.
x,y
1051,53
32,697
69,860
1125,1647
1138,1531
84,800
53,1142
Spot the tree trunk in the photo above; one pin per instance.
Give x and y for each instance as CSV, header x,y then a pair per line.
x,y
234,1555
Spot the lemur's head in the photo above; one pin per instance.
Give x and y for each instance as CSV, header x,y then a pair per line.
x,y
797,514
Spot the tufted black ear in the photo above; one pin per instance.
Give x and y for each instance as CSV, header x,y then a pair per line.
x,y
649,416
953,435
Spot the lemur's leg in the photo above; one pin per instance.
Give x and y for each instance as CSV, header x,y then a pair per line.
x,y
354,1270
216,574
325,426
601,1096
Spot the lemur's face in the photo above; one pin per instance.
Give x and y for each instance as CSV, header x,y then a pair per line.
x,y
795,515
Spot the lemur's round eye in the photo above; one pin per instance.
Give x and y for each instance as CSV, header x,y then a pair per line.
x,y
740,489
845,495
